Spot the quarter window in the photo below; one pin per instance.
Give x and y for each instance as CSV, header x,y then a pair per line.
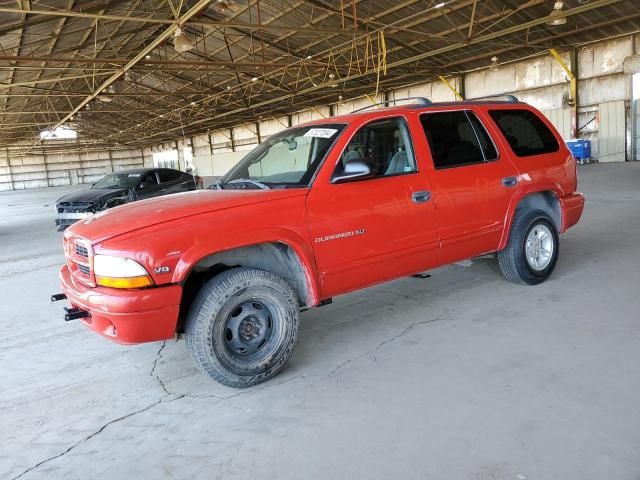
x,y
525,132
384,145
457,138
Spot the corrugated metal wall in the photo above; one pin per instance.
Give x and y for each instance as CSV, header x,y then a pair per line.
x,y
612,143
40,169
561,119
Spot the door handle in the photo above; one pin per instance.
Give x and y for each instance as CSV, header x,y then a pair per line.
x,y
421,197
510,181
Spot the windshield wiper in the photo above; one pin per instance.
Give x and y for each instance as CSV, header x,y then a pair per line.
x,y
260,185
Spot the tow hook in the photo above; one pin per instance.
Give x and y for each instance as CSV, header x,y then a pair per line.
x,y
74,314
57,297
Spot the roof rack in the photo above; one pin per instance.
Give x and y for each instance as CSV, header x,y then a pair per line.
x,y
507,98
422,100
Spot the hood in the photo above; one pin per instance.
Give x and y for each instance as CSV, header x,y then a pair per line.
x,y
93,194
145,213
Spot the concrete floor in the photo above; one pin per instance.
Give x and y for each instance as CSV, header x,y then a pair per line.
x,y
460,376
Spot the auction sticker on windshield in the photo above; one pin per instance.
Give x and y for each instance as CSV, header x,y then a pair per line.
x,y
321,132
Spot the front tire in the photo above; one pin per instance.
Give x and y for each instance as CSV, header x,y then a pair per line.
x,y
242,327
532,252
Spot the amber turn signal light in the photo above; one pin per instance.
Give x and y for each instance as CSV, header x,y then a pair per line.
x,y
124,282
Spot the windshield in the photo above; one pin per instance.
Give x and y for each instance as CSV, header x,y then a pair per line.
x,y
119,180
288,159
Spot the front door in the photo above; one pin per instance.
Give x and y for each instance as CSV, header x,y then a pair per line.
x,y
369,230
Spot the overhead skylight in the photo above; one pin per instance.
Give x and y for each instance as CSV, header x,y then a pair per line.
x,y
60,133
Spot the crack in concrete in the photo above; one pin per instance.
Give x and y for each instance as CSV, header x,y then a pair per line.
x,y
95,433
381,344
155,365
181,396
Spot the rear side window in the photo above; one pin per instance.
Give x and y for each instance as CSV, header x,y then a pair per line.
x,y
526,133
168,175
457,138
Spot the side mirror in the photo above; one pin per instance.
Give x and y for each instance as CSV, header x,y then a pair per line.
x,y
353,170
143,184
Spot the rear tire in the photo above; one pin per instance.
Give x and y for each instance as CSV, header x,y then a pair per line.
x,y
532,252
242,327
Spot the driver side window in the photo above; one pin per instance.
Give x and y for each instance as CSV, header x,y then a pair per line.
x,y
384,145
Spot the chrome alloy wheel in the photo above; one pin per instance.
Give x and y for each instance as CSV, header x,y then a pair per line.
x,y
539,247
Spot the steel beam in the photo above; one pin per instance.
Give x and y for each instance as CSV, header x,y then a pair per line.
x,y
141,55
163,21
430,53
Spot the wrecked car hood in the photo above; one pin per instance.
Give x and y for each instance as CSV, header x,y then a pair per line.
x,y
144,213
93,194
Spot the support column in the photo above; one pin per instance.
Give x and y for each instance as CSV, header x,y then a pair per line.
x,y
233,142
451,87
178,152
13,187
573,85
111,160
210,150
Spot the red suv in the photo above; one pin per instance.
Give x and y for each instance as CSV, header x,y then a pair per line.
x,y
316,211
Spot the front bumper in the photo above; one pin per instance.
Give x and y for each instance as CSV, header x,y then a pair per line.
x,y
68,218
125,316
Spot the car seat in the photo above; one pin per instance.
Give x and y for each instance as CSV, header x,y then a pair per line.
x,y
399,164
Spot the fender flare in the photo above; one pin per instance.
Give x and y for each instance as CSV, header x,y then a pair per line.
x,y
538,188
292,240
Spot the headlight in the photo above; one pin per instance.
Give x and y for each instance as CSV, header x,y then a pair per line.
x,y
120,272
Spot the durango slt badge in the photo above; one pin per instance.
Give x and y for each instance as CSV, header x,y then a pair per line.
x,y
337,236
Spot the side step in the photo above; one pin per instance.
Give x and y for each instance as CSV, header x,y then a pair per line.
x,y
421,275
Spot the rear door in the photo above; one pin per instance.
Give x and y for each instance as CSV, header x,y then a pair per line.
x,y
371,230
472,182
170,181
149,185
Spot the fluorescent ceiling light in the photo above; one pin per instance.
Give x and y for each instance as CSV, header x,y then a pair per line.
x,y
557,16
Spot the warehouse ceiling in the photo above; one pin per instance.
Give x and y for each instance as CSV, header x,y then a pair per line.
x,y
111,71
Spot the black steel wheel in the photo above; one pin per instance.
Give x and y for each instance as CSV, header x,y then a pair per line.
x,y
242,326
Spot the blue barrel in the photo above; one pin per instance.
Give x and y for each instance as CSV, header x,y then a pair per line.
x,y
580,149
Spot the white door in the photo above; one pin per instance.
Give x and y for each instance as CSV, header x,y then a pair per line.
x,y
635,115
612,130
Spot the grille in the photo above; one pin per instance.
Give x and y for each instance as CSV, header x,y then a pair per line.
x,y
78,252
84,269
77,207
